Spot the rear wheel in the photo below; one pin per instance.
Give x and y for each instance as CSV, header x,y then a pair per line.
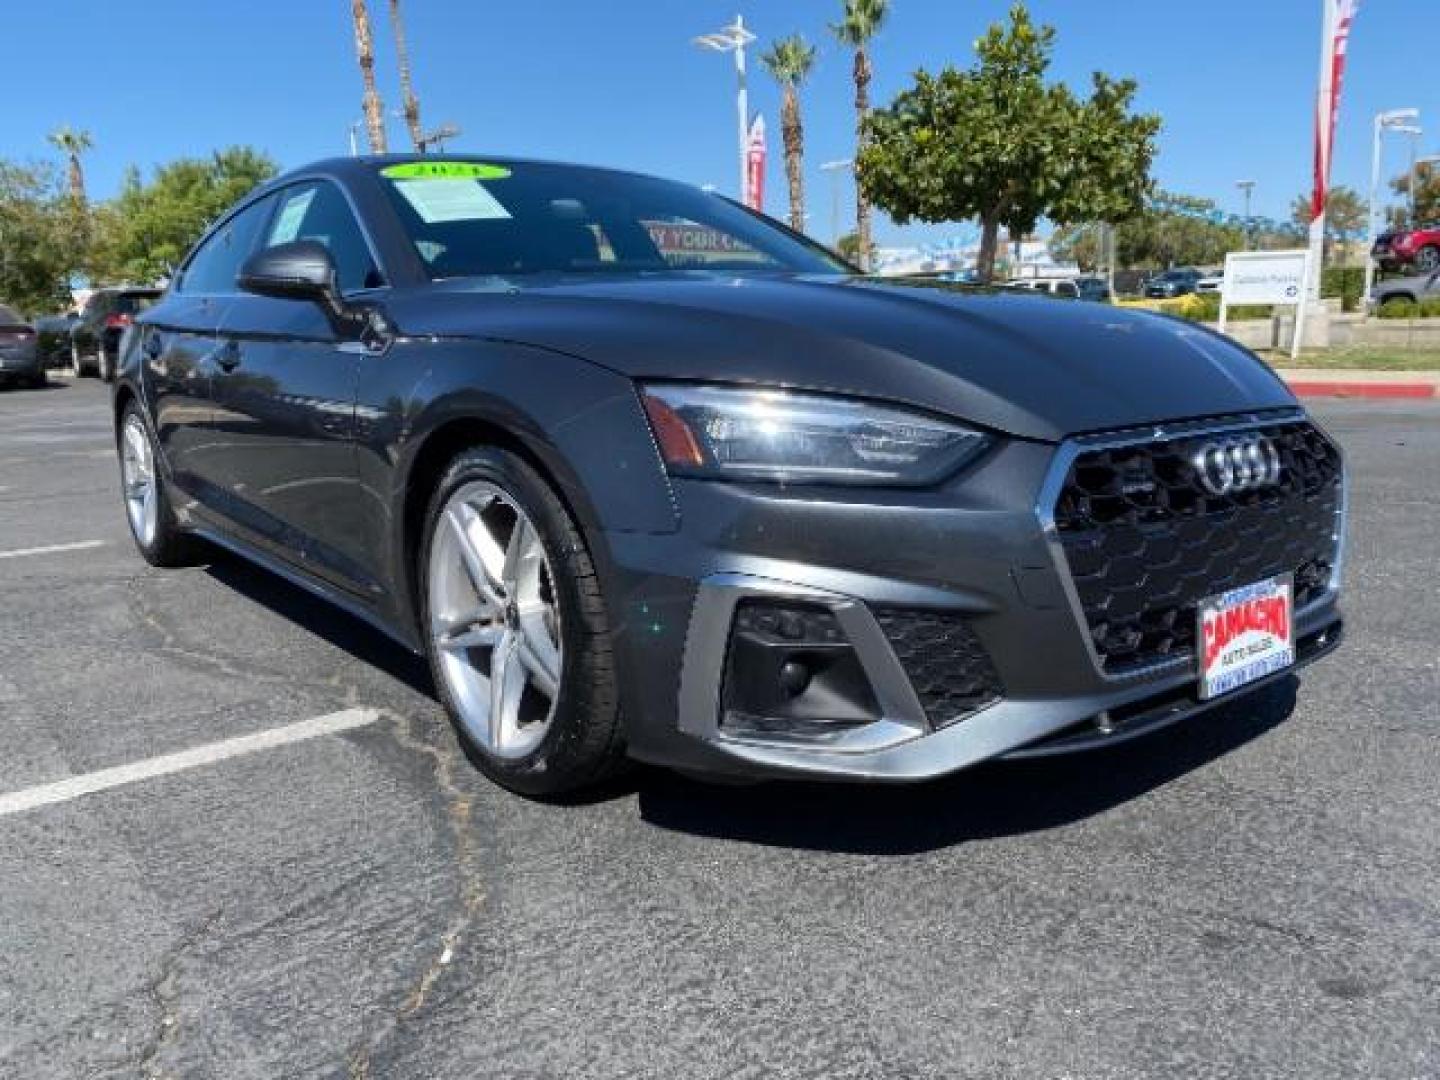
x,y
104,363
147,506
516,628
77,368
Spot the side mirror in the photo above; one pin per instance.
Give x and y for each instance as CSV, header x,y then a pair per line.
x,y
301,270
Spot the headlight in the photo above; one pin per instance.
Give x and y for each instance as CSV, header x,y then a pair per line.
x,y
777,435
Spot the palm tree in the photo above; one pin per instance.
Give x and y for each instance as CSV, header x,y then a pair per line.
x,y
365,51
862,21
407,91
789,61
72,144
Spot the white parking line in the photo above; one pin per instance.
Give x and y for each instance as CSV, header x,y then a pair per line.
x,y
52,549
17,802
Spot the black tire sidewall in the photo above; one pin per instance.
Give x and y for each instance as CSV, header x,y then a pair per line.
x,y
568,755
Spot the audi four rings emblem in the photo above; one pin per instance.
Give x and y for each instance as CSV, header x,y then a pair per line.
x,y
1243,463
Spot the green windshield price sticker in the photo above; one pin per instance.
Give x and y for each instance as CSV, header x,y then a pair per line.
x,y
444,170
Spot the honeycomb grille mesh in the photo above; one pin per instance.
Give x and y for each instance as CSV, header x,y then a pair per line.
x,y
1145,542
950,670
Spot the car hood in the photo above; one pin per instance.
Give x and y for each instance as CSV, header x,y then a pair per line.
x,y
1029,365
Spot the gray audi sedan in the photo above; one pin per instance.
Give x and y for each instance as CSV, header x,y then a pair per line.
x,y
646,474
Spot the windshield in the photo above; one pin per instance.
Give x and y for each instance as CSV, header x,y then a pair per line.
x,y
9,317
467,219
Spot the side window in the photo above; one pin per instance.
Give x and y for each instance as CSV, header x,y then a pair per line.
x,y
214,267
319,212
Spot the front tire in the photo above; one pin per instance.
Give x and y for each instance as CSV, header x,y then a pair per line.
x,y
516,629
157,536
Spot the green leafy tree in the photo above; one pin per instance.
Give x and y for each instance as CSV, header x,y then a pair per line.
x,y
999,143
1176,230
147,229
861,22
39,246
849,247
1344,217
789,60
1427,197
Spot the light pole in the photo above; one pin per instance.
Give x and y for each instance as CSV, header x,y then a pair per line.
x,y
835,168
733,39
1395,118
1248,187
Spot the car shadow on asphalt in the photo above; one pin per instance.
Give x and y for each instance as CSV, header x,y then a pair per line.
x,y
324,620
991,800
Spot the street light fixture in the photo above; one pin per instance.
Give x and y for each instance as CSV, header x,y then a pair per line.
x,y
1248,187
835,168
437,138
733,39
1394,119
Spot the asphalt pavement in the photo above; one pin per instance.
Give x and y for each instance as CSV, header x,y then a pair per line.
x,y
321,885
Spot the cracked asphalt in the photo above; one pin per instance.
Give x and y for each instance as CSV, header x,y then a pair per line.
x,y
1254,894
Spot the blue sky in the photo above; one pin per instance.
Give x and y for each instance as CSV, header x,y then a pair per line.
x,y
619,83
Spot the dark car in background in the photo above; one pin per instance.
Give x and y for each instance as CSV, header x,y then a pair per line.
x,y
1094,289
53,338
1173,283
95,337
642,472
19,358
1397,249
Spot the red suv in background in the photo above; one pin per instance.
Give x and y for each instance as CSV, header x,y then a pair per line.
x,y
1396,250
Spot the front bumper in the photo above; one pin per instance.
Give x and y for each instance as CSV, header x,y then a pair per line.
x,y
977,551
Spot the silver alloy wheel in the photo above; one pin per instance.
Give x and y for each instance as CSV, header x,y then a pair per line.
x,y
495,619
137,473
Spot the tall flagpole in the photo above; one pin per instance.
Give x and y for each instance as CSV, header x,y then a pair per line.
x,y
1324,140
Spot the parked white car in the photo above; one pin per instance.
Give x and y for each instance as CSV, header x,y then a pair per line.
x,y
1065,287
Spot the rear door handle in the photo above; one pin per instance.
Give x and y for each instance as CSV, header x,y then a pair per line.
x,y
229,358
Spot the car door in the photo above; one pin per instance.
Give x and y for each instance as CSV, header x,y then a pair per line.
x,y
284,398
179,346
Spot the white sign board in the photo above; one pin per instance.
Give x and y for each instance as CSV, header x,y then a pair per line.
x,y
1264,277
1269,278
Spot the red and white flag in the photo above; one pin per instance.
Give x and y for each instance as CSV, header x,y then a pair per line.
x,y
1328,106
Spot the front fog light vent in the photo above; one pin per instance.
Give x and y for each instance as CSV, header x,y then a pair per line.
x,y
792,670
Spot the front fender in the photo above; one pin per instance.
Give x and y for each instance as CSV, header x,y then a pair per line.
x,y
581,423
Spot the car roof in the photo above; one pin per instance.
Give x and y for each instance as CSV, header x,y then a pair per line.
x,y
366,165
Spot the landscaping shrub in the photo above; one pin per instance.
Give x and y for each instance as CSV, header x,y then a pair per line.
x,y
1409,309
1346,282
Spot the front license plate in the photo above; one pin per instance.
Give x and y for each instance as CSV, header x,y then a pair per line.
x,y
1245,634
